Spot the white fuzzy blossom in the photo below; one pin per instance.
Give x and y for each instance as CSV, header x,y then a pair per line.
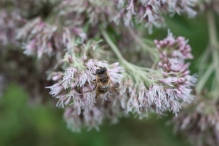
x,y
76,91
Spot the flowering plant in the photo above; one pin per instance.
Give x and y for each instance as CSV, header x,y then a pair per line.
x,y
60,45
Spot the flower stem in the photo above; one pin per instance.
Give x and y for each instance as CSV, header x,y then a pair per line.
x,y
204,79
113,46
212,29
137,72
214,66
214,45
144,46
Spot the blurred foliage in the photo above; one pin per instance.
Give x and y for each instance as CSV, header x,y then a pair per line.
x,y
23,124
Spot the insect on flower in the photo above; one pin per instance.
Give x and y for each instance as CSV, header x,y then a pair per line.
x,y
103,82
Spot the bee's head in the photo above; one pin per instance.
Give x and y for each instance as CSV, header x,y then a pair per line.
x,y
101,70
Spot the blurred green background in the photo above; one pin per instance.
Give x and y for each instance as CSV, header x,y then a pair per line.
x,y
23,124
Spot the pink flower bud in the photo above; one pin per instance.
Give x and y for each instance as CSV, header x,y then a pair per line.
x,y
57,77
160,64
70,59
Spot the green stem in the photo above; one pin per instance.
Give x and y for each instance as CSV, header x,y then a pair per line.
x,y
214,46
212,29
214,50
139,41
204,79
146,48
113,46
131,68
119,55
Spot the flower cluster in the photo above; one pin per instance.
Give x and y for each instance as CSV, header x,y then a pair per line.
x,y
150,11
176,77
75,88
80,80
42,38
87,11
200,124
160,91
67,29
102,109
9,23
38,36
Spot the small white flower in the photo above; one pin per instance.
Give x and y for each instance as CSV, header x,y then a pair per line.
x,y
83,78
55,89
68,77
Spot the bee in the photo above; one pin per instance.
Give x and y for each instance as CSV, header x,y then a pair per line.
x,y
103,82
